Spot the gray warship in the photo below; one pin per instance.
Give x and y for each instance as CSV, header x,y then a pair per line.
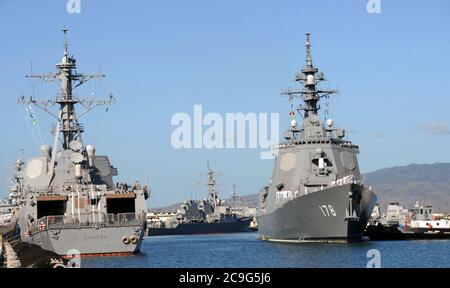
x,y
208,216
316,192
69,203
9,207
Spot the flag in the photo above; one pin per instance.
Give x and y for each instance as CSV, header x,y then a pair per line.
x,y
33,119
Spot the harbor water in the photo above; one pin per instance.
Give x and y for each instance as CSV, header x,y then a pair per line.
x,y
245,250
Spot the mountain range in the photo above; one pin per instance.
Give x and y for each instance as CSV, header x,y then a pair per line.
x,y
428,183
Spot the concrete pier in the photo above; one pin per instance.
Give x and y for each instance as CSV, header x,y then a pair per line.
x,y
17,254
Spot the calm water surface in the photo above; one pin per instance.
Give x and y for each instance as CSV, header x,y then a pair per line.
x,y
246,250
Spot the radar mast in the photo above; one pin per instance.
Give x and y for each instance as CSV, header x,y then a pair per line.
x,y
309,77
68,121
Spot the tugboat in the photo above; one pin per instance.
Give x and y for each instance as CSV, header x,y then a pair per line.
x,y
69,203
211,215
316,192
401,224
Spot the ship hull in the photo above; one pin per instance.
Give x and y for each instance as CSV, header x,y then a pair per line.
x,y
305,219
90,241
203,228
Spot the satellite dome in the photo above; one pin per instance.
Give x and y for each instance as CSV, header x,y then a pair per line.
x,y
90,149
75,145
293,123
330,122
76,158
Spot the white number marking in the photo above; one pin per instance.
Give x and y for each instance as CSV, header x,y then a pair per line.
x,y
327,210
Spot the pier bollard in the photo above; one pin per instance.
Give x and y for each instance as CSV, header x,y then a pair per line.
x,y
11,257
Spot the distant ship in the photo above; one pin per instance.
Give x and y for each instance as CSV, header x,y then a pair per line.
x,y
316,192
68,201
9,208
8,218
399,223
203,217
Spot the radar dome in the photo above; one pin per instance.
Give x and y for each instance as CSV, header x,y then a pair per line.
x,y
330,122
90,149
293,123
75,145
76,158
310,80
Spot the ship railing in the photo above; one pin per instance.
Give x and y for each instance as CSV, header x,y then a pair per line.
x,y
125,218
105,220
350,179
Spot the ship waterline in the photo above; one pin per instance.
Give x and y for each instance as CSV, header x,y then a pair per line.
x,y
119,234
239,226
320,216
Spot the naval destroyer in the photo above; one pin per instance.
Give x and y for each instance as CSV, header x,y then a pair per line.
x,y
211,215
69,203
316,192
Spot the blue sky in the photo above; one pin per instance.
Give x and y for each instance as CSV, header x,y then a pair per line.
x,y
163,57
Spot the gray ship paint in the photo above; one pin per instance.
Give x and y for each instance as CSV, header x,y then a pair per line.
x,y
316,192
68,200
